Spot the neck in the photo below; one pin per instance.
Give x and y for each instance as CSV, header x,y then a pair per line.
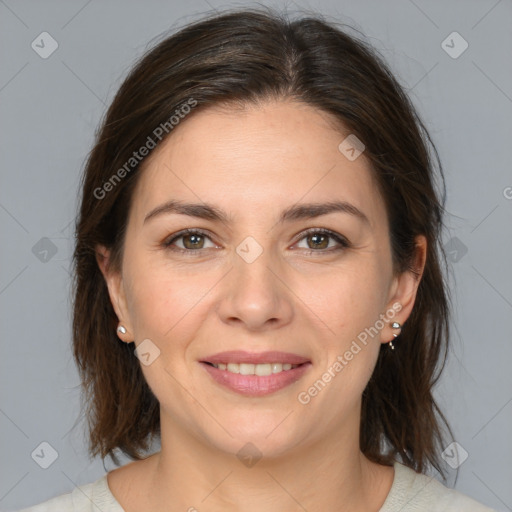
x,y
327,474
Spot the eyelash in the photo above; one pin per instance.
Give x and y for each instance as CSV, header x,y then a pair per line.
x,y
343,242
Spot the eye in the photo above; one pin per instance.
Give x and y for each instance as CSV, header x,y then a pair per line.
x,y
318,241
192,240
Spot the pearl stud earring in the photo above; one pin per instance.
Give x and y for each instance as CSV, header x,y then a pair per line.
x,y
394,325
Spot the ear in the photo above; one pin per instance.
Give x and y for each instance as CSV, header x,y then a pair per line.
x,y
116,291
404,289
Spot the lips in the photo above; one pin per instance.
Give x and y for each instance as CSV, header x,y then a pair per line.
x,y
254,385
240,356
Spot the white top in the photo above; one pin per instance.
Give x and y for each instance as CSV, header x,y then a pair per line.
x,y
410,492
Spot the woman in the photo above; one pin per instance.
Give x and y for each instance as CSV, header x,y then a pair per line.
x,y
258,280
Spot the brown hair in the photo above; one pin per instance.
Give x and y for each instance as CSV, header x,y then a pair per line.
x,y
243,57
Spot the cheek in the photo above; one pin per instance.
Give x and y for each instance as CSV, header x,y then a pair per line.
x,y
352,300
349,299
162,300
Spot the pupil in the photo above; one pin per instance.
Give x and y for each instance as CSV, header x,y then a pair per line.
x,y
315,237
194,239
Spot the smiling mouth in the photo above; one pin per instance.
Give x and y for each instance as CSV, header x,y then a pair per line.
x,y
261,369
255,379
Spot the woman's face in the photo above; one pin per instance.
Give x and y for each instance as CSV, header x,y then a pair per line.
x,y
255,281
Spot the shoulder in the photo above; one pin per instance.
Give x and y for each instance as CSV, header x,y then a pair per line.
x,y
85,498
416,492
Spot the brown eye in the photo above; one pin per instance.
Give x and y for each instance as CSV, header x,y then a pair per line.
x,y
193,241
318,240
188,241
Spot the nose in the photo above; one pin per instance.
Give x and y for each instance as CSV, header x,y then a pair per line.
x,y
255,294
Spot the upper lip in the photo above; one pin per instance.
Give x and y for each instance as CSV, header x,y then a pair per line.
x,y
240,356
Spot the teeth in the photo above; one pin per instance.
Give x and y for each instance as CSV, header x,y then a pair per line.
x,y
261,370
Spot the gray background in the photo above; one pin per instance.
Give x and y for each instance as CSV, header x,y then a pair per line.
x,y
49,109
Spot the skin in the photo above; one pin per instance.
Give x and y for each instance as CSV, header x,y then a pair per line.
x,y
253,164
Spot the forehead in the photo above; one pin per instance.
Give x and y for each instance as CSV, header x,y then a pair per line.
x,y
254,159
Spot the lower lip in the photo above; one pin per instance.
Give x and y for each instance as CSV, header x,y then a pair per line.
x,y
254,385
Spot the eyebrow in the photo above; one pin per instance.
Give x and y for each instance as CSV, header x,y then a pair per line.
x,y
296,212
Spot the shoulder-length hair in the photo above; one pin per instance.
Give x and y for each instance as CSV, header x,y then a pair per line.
x,y
238,58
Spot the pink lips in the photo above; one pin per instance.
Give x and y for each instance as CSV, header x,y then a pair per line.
x,y
254,385
240,356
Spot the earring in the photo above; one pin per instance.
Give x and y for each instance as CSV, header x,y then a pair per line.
x,y
121,329
394,325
